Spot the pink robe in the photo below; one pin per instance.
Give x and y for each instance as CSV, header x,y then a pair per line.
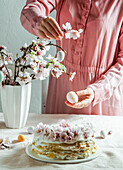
x,y
96,57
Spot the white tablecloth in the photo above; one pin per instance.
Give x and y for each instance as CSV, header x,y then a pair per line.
x,y
111,156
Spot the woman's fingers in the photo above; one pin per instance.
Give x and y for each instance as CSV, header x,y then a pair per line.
x,y
79,105
87,91
43,35
46,32
50,29
83,103
85,98
55,25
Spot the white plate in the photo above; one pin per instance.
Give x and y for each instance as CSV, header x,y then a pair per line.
x,y
39,158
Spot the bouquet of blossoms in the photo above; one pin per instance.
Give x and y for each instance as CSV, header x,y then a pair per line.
x,y
32,65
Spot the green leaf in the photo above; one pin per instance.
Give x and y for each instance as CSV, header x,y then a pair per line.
x,y
52,73
64,68
32,53
47,65
51,61
17,55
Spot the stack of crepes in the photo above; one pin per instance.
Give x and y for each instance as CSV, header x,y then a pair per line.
x,y
64,141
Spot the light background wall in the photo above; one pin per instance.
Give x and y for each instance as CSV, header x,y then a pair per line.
x,y
13,36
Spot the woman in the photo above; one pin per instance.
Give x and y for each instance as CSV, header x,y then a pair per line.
x,y
96,57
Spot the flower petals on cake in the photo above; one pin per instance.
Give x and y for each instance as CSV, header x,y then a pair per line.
x,y
64,132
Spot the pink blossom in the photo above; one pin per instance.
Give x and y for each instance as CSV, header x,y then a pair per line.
x,y
69,138
53,135
47,131
9,59
64,124
86,135
63,137
39,128
75,131
57,136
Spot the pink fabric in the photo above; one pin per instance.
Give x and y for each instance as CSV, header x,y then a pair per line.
x,y
97,56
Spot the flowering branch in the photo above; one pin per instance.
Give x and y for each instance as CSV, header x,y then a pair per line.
x,y
4,65
51,44
32,65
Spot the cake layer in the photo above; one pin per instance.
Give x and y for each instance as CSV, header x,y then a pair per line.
x,y
63,154
83,145
77,150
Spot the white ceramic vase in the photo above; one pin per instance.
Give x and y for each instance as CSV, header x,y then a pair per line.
x,y
15,104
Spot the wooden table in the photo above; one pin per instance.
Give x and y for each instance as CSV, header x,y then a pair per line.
x,y
111,156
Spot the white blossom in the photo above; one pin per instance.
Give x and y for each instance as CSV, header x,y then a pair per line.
x,y
23,61
74,34
1,62
42,73
43,52
67,26
50,57
23,78
4,70
43,42
34,41
34,66
25,45
51,66
58,73
32,57
3,48
72,75
68,35
47,48
10,72
80,30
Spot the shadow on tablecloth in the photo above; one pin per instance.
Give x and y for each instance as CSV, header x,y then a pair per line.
x,y
2,125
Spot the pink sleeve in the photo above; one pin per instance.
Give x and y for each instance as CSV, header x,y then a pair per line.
x,y
33,13
108,82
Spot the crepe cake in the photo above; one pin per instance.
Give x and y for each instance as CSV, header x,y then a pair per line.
x,y
64,141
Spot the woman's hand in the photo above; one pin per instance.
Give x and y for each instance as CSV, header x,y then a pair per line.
x,y
50,29
85,98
